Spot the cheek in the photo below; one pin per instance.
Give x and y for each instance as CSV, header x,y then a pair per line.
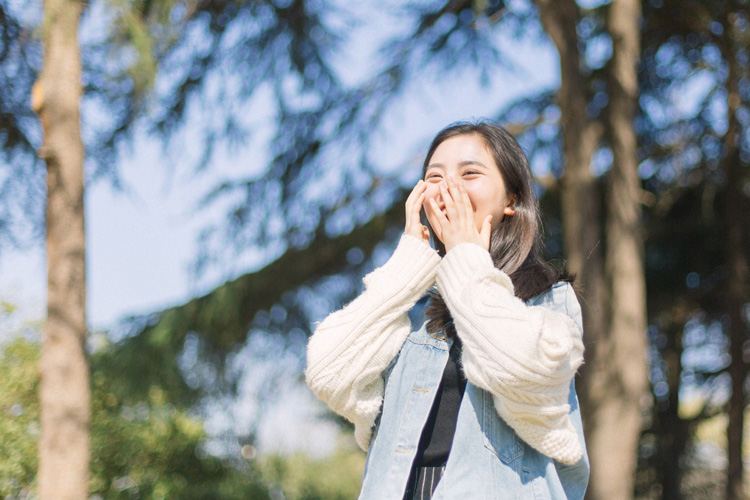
x,y
483,201
475,196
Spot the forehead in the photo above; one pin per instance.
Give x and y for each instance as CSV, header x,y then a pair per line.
x,y
459,148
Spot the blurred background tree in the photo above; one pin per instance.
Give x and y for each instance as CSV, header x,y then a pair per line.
x,y
604,245
696,167
64,385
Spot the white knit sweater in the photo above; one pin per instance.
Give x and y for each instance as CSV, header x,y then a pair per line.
x,y
525,356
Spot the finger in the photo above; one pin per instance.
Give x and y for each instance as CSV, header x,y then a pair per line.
x,y
454,191
415,218
414,204
432,209
466,201
415,192
418,205
431,219
486,231
450,205
436,218
463,217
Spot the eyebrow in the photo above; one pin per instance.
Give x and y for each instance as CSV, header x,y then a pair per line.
x,y
460,164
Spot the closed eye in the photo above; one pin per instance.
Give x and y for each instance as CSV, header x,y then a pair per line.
x,y
470,172
433,176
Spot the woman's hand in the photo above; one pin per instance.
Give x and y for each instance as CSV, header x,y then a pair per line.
x,y
414,226
457,224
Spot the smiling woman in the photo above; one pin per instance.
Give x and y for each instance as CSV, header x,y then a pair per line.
x,y
464,185
479,402
464,162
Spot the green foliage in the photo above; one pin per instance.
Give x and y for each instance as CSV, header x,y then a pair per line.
x,y
143,449
299,477
19,417
129,28
152,449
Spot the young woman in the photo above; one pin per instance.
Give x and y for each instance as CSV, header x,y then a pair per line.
x,y
479,403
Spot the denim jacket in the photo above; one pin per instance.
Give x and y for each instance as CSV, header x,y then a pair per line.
x,y
487,460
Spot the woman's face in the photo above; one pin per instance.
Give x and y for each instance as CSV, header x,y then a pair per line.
x,y
466,158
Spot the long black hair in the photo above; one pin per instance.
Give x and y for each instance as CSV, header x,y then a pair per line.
x,y
515,243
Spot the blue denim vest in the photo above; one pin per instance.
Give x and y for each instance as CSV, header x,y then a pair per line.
x,y
487,460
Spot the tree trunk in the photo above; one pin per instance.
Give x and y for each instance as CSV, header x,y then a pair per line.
x,y
738,275
582,224
64,391
619,412
614,379
673,431
580,193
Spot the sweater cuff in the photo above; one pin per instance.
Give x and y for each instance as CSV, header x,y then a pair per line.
x,y
412,266
462,263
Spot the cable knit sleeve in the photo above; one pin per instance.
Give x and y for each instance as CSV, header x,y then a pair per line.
x,y
525,356
352,347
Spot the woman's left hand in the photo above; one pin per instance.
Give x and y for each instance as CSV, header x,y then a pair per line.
x,y
457,224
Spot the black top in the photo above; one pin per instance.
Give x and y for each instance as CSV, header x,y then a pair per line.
x,y
437,435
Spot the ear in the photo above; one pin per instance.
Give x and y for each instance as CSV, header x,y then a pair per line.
x,y
509,210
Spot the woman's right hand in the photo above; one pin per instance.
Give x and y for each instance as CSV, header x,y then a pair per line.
x,y
414,202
